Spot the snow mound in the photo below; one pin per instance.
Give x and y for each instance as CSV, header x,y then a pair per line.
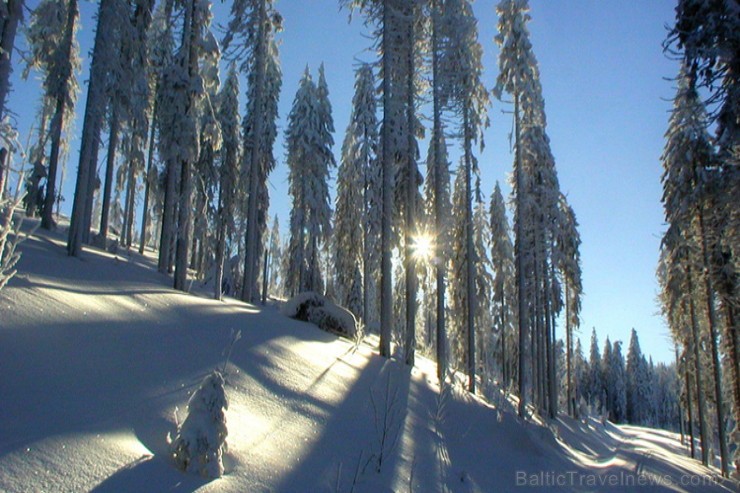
x,y
314,308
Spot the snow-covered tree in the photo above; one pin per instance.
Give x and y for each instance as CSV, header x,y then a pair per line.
x,y
504,302
181,91
275,251
595,380
11,15
688,161
468,101
358,153
618,384
250,37
382,14
200,442
568,245
309,159
537,218
437,190
638,383
228,118
55,52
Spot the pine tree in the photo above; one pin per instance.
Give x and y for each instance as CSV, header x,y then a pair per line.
x,y
228,117
469,101
687,157
251,37
619,386
502,259
276,259
383,14
537,218
12,15
706,36
358,151
569,242
309,159
51,36
595,379
438,180
638,383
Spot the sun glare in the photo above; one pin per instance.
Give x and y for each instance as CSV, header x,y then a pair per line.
x,y
423,247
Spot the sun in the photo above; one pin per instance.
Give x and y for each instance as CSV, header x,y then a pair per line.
x,y
423,247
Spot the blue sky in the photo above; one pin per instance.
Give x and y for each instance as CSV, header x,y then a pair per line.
x,y
604,81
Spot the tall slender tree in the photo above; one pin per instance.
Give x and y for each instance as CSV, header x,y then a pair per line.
x,y
309,169
250,37
11,14
358,153
504,303
51,36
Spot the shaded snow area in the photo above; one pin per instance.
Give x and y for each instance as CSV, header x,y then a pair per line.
x,y
99,359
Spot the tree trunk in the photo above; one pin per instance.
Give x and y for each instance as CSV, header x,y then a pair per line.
x,y
386,285
220,244
689,405
147,180
410,267
701,403
470,255
110,164
184,226
568,353
57,123
252,240
7,44
713,334
439,205
519,264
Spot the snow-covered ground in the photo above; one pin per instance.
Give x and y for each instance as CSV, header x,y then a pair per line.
x,y
98,357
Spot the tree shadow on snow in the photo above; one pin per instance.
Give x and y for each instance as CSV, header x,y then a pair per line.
x,y
149,473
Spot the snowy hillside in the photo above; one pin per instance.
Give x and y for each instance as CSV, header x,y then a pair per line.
x,y
98,359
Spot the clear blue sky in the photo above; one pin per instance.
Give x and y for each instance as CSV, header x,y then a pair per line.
x,y
604,80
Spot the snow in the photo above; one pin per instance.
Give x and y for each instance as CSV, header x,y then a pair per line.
x,y
317,309
99,359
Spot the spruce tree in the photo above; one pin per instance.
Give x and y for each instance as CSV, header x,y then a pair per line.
x,y
308,160
55,52
250,37
358,151
502,260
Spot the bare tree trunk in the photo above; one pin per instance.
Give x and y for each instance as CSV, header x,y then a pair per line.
x,y
169,209
220,244
386,285
701,403
470,256
568,354
689,405
110,164
147,180
7,44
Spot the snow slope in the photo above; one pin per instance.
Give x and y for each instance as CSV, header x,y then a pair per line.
x,y
98,358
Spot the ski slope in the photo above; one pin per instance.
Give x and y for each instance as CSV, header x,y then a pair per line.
x,y
98,357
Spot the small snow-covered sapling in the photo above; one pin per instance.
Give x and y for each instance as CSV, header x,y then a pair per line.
x,y
200,442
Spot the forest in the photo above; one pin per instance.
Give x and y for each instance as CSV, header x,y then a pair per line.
x,y
490,290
